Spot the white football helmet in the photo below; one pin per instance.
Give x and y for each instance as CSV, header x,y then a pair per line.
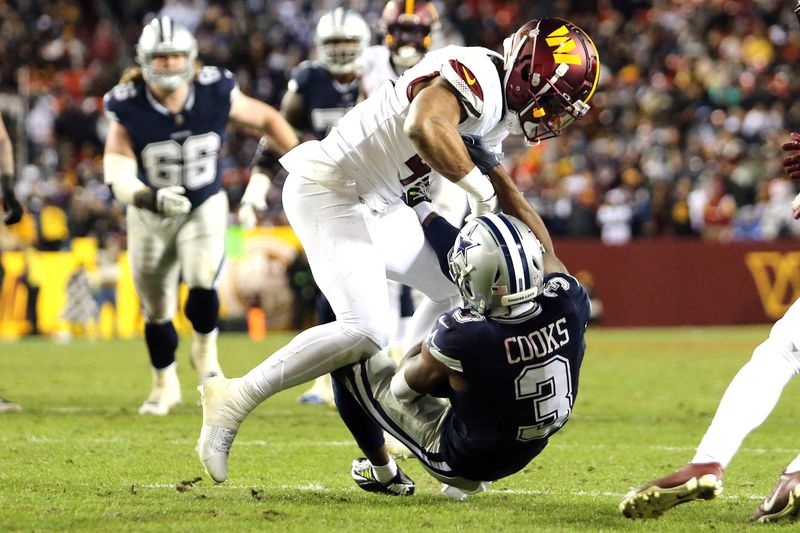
x,y
496,261
341,38
165,36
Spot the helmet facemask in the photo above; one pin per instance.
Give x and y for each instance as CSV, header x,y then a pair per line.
x,y
341,37
539,106
163,37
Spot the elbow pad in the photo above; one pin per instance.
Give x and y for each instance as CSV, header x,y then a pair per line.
x,y
400,389
120,174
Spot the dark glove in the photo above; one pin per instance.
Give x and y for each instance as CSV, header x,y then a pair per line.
x,y
791,163
480,153
11,205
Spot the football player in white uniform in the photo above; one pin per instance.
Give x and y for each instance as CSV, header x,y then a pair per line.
x,y
167,121
746,404
384,145
319,94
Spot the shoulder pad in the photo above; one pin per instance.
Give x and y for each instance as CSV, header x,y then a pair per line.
x,y
466,85
114,99
450,339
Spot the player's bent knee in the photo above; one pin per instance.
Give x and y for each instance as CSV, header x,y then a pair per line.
x,y
202,309
369,341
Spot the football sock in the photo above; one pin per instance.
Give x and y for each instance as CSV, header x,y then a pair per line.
x,y
423,211
202,309
366,432
441,235
162,341
385,473
747,402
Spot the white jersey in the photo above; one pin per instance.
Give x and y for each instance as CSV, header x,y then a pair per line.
x,y
377,69
368,146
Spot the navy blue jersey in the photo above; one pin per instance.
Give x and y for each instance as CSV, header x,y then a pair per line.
x,y
182,148
522,379
325,100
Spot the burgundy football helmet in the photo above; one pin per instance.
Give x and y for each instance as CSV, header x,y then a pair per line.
x,y
407,25
551,72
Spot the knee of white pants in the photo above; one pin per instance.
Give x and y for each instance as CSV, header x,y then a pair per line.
x,y
781,349
374,339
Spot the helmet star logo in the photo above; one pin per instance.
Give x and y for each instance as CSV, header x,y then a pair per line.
x,y
464,244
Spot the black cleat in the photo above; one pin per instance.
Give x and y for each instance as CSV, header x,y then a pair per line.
x,y
364,476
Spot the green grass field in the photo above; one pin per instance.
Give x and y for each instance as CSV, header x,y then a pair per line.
x,y
79,457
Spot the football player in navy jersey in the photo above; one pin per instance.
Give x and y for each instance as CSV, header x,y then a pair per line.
x,y
167,122
508,362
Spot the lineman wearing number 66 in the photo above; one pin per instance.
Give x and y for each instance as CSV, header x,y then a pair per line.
x,y
167,121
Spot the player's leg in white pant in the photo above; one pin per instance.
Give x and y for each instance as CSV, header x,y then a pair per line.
x,y
201,251
411,261
153,260
754,391
347,268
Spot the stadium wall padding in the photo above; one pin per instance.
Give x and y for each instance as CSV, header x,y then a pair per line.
x,y
644,283
687,282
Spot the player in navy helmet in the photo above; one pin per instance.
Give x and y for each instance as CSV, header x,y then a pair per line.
x,y
167,123
508,362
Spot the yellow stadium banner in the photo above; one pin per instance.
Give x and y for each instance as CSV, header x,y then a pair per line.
x,y
254,275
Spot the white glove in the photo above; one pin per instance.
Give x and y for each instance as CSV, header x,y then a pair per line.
x,y
254,198
796,207
478,208
171,201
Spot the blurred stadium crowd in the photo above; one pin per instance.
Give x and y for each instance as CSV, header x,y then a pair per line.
x,y
683,138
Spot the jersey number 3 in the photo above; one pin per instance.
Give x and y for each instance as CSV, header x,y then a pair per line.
x,y
192,164
549,385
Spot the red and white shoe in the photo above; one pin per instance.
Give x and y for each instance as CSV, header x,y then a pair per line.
x,y
782,502
695,481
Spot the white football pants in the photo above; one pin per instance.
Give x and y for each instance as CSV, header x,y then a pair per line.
x,y
162,249
754,391
351,252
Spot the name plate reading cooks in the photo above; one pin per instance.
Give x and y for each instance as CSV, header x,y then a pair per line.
x,y
537,344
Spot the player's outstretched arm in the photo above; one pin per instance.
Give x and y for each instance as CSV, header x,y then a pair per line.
x,y
432,126
11,205
514,203
120,173
249,112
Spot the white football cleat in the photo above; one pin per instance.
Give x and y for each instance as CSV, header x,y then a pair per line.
x,y
459,495
223,411
204,356
165,393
